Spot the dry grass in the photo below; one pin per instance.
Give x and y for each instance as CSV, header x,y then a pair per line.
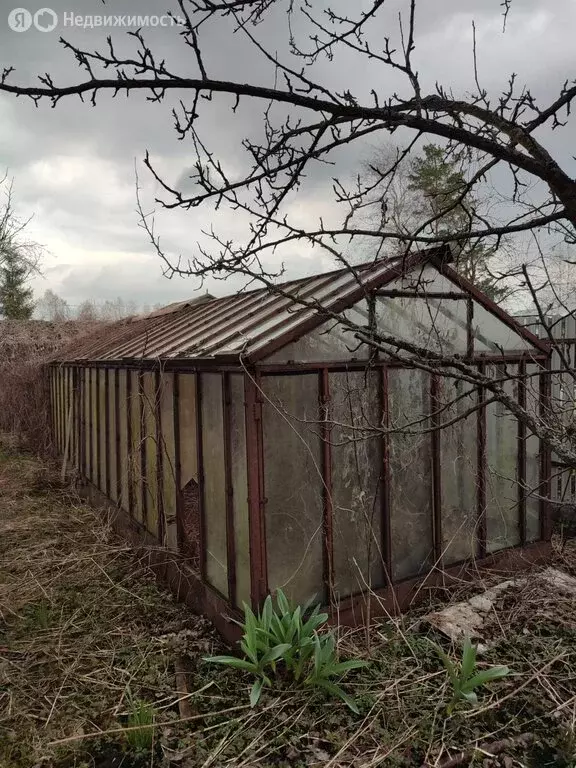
x,y
88,645
25,348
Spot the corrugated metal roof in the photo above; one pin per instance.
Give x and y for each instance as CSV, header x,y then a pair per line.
x,y
250,324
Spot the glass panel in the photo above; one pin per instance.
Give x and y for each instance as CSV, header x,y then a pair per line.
x,y
113,433
123,433
187,410
135,455
189,507
502,524
240,488
532,458
355,418
331,341
168,459
151,479
293,485
437,325
410,460
214,491
458,462
102,447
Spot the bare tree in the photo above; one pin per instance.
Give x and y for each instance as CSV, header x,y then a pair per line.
x,y
53,307
87,311
305,124
19,255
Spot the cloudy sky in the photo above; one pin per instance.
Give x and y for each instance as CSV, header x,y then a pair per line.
x,y
74,166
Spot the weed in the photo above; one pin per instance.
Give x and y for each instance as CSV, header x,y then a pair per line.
x,y
283,641
140,730
464,678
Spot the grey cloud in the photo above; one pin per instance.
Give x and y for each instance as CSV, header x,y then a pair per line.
x,y
95,211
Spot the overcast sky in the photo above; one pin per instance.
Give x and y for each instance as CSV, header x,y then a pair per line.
x,y
73,166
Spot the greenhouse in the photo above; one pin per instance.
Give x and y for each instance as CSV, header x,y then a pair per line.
x,y
258,441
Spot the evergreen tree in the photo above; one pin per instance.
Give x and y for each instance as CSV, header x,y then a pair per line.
x,y
16,302
437,183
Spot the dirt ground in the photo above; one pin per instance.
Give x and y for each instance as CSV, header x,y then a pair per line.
x,y
100,668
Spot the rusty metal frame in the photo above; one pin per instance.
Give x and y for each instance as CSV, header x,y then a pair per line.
x,y
436,505
200,458
324,401
398,294
545,455
82,425
76,419
91,451
160,443
488,303
352,610
107,429
481,467
143,439
118,441
469,329
521,480
57,408
256,501
177,459
98,441
230,533
129,448
385,522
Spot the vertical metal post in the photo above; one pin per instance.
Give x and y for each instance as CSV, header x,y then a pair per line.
x,y
481,468
386,542
328,510
52,391
118,443
521,457
91,425
129,444
98,427
469,329
545,454
82,436
143,441
436,467
256,500
177,459
159,457
200,455
230,533
107,428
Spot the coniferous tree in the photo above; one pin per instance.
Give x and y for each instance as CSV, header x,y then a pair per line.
x,y
438,185
16,297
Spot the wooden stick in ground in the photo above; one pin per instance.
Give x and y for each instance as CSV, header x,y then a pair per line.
x,y
181,671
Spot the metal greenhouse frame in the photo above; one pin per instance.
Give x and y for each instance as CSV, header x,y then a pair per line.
x,y
177,423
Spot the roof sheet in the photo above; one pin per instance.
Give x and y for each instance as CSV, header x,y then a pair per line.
x,y
246,324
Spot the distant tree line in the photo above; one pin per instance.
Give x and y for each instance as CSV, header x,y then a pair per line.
x,y
56,309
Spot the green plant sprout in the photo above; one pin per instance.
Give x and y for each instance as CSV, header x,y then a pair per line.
x,y
283,642
464,678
